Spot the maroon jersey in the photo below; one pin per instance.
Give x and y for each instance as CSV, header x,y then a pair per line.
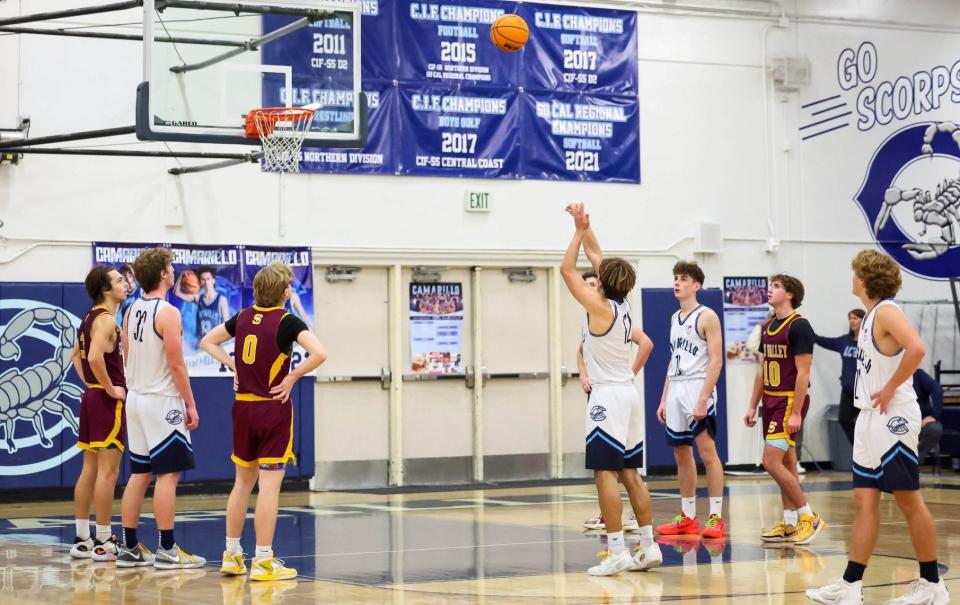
x,y
260,362
112,359
779,361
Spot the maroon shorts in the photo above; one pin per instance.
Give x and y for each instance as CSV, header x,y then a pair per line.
x,y
776,412
262,433
102,423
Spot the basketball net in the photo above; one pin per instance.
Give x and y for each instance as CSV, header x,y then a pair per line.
x,y
281,131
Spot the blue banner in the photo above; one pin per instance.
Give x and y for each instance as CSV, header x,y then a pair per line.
x,y
444,101
581,137
579,49
301,291
456,132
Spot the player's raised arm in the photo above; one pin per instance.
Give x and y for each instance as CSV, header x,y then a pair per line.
x,y
590,299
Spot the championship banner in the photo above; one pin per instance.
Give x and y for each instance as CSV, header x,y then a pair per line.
x,y
456,132
448,43
581,137
744,308
207,292
300,304
579,49
436,328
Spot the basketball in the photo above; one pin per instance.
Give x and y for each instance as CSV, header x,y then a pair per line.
x,y
189,282
509,33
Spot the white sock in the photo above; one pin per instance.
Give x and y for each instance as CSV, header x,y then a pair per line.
x,y
264,552
716,506
646,537
83,528
805,510
615,542
688,506
790,517
233,545
103,533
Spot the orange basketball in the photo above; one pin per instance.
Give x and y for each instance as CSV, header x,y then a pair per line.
x,y
509,33
189,282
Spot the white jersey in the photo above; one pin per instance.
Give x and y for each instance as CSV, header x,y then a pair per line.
x,y
608,355
146,363
688,350
874,368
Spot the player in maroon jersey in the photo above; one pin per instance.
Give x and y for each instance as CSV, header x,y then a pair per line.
x,y
786,346
97,360
262,411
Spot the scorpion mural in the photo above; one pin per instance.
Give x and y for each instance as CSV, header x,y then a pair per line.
x,y
940,208
26,392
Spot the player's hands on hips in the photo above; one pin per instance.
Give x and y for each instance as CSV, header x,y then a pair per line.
x,y
882,399
116,392
193,418
236,384
700,410
581,220
794,424
750,419
585,383
281,392
662,413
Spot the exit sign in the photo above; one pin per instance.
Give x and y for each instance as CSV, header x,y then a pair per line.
x,y
477,201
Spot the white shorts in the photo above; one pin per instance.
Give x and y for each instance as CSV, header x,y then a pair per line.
x,y
615,428
157,439
682,427
885,449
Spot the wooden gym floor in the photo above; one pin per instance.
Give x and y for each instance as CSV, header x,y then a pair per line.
x,y
511,545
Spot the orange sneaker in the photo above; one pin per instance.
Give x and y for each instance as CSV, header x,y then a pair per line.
x,y
680,526
714,528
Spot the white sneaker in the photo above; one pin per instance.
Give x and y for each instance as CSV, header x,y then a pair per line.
x,y
595,523
612,564
800,468
924,593
647,559
631,523
840,592
81,549
105,551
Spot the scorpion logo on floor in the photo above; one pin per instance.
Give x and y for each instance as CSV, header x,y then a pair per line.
x,y
918,225
27,391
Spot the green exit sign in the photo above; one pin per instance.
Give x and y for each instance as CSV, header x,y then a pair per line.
x,y
477,201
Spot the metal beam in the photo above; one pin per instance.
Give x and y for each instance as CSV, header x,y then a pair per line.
x,y
251,158
237,8
74,136
73,12
109,36
252,44
246,157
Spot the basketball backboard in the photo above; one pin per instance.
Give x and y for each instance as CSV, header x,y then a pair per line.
x,y
207,64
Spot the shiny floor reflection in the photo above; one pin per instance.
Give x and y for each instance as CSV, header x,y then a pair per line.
x,y
477,546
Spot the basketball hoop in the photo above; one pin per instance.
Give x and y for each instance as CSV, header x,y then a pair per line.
x,y
281,131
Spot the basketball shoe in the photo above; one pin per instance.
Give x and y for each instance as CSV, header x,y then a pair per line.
x,y
925,593
594,523
781,532
233,564
270,568
648,558
840,592
177,558
680,526
611,563
106,550
807,528
138,556
81,549
714,528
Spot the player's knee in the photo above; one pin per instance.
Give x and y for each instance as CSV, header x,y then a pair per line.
x,y
682,453
630,478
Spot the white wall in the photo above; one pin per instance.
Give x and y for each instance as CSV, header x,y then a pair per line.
x,y
717,147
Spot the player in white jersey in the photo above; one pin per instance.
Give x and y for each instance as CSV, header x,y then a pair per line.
x,y
160,413
688,405
889,351
614,418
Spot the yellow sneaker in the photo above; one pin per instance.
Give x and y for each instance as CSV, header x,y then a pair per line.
x,y
233,564
271,569
781,532
808,527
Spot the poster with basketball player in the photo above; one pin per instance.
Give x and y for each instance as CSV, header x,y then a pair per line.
x,y
120,257
436,328
744,308
207,291
253,258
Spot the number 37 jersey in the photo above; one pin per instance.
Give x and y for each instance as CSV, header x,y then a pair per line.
x,y
264,342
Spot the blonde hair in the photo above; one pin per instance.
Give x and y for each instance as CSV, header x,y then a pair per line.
x,y
149,266
269,284
879,272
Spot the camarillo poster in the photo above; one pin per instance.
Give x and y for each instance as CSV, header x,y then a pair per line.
x,y
744,307
444,101
436,328
212,283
